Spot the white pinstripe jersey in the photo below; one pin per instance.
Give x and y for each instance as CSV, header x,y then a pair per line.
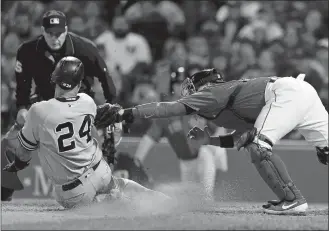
x,y
60,130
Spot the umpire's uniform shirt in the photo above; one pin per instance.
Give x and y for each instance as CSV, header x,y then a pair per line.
x,y
36,61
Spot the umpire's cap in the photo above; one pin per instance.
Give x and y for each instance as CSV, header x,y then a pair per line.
x,y
54,21
68,72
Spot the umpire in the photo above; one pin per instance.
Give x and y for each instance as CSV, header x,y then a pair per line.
x,y
36,60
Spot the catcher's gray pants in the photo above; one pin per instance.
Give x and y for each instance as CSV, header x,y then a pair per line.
x,y
93,182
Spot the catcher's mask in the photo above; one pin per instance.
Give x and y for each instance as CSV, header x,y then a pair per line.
x,y
193,83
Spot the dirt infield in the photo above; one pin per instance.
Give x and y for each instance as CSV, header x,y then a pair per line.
x,y
28,214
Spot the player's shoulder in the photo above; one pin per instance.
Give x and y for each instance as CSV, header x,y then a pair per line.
x,y
29,45
40,108
83,97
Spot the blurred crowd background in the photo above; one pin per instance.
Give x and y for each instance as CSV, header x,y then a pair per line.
x,y
145,42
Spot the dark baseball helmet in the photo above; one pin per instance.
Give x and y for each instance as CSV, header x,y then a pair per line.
x,y
68,72
200,78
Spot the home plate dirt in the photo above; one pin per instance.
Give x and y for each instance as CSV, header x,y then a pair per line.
x,y
184,212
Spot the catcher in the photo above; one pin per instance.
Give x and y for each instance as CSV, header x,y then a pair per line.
x,y
66,143
261,110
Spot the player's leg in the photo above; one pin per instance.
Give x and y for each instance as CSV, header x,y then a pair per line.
x,y
284,109
131,189
106,183
314,126
83,190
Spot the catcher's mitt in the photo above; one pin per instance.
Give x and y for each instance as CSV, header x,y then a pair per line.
x,y
107,114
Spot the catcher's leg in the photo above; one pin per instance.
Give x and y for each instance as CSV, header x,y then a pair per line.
x,y
286,106
273,171
314,126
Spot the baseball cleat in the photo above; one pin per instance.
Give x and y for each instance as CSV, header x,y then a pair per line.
x,y
298,206
270,203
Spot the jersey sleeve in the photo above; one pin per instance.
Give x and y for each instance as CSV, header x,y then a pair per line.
x,y
155,131
202,102
23,78
28,136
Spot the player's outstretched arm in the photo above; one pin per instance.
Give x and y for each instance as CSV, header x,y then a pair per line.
x,y
108,114
155,110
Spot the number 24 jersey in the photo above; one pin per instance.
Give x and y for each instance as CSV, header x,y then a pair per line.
x,y
60,130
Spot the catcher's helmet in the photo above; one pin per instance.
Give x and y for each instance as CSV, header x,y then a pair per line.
x,y
68,72
193,83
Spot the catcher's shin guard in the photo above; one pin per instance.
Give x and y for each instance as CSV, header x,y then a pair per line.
x,y
273,171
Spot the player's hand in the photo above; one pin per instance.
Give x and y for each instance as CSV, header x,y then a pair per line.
x,y
21,116
197,133
107,114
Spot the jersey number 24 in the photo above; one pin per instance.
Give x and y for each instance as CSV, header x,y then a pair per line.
x,y
84,130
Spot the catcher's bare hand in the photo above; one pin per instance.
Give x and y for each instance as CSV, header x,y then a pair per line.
x,y
107,114
198,134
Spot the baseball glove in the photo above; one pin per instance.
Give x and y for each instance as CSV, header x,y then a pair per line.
x,y
106,115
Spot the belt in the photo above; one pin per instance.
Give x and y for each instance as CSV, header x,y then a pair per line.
x,y
77,182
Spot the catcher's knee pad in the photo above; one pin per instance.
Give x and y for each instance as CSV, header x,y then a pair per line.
x,y
273,171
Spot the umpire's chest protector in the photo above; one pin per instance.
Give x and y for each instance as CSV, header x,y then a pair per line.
x,y
239,103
